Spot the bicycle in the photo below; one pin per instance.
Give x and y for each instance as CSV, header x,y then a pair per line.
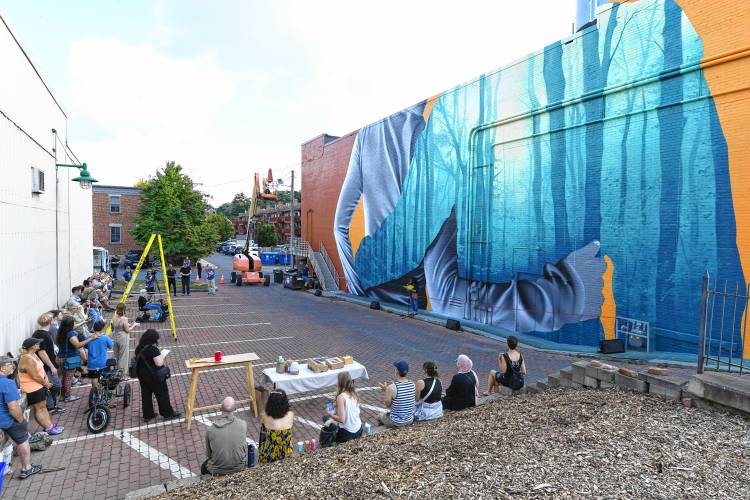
x,y
112,387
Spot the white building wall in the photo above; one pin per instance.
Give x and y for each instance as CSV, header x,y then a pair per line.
x,y
36,277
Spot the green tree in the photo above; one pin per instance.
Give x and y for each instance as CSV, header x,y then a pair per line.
x,y
239,205
173,207
223,226
266,235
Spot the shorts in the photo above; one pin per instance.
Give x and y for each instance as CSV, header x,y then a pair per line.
x,y
37,396
94,373
499,378
18,432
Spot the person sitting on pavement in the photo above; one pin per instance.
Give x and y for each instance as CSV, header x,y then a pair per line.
x,y
12,420
226,442
512,369
75,292
347,409
142,299
399,396
34,383
47,354
97,350
463,391
429,392
275,442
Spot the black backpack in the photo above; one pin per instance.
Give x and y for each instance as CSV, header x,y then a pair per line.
x,y
513,374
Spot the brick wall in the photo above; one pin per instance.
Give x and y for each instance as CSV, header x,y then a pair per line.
x,y
325,160
102,218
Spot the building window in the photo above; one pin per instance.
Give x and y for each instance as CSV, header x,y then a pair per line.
x,y
114,234
114,204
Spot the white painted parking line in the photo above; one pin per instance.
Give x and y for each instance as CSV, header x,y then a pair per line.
x,y
185,374
308,422
226,342
208,305
155,456
374,408
182,329
211,314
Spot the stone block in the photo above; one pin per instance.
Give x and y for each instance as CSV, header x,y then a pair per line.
x,y
653,370
665,386
566,373
553,380
542,385
631,383
591,382
606,374
628,372
151,491
605,385
566,382
579,371
722,389
180,483
532,388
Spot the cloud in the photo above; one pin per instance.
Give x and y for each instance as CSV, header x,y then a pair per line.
x,y
124,88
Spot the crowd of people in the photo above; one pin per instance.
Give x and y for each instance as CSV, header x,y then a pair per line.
x,y
71,344
407,401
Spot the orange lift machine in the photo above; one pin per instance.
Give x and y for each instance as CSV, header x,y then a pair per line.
x,y
246,265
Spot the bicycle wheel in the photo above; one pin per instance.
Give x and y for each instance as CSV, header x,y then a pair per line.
x,y
98,419
126,396
93,397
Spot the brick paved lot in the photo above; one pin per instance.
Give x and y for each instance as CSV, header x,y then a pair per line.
x,y
266,320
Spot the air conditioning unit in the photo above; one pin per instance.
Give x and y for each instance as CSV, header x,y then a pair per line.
x,y
37,180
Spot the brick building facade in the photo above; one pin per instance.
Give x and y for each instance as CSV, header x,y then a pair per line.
x,y
113,210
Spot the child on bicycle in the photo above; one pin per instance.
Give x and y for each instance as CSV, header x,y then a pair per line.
x,y
97,349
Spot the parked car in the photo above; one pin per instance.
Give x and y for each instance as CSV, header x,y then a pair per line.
x,y
132,257
219,246
230,249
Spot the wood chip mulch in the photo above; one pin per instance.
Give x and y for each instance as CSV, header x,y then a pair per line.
x,y
563,443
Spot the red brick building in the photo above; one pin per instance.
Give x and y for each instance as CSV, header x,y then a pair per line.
x,y
278,217
113,210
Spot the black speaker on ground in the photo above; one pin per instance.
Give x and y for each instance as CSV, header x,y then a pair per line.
x,y
375,305
613,346
234,277
452,324
318,293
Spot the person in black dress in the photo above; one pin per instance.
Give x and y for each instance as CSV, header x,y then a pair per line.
x,y
148,359
463,391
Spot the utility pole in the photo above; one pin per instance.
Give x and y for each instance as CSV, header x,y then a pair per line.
x,y
291,219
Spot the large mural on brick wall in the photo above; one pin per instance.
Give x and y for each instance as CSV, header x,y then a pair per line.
x,y
587,182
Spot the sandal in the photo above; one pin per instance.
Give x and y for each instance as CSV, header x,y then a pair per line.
x,y
34,469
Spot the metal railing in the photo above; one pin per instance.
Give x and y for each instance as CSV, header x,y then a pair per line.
x,y
300,248
723,325
329,265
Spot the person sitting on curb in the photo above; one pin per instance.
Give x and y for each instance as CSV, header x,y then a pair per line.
x,y
429,393
399,395
275,441
12,420
463,391
226,442
512,369
347,409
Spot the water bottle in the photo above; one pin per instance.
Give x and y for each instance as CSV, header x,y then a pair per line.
x,y
252,460
368,429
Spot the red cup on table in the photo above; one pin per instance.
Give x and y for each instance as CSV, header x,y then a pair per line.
x,y
217,356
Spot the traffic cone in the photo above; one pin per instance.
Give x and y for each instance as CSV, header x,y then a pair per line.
x,y
221,281
197,280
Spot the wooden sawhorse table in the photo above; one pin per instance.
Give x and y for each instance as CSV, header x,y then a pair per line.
x,y
202,364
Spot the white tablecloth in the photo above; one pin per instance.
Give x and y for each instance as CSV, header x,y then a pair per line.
x,y
308,380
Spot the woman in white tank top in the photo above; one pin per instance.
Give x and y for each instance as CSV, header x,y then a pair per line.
x,y
347,410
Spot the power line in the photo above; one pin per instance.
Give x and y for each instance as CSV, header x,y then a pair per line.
x,y
286,168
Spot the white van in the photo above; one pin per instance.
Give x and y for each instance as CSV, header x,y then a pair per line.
x,y
101,259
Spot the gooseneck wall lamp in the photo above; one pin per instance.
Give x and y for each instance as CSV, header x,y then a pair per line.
x,y
84,176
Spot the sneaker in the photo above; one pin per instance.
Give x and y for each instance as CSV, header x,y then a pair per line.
x,y
76,381
173,416
34,469
56,410
70,399
54,430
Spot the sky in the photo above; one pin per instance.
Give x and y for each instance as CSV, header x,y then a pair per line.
x,y
232,87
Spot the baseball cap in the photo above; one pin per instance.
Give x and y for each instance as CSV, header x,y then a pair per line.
x,y
402,367
30,342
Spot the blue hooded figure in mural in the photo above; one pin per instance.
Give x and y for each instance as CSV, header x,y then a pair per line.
x,y
581,183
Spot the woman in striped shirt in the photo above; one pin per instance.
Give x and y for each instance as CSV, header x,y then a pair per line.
x,y
399,396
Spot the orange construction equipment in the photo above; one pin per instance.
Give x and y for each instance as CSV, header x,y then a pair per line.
x,y
246,265
221,280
